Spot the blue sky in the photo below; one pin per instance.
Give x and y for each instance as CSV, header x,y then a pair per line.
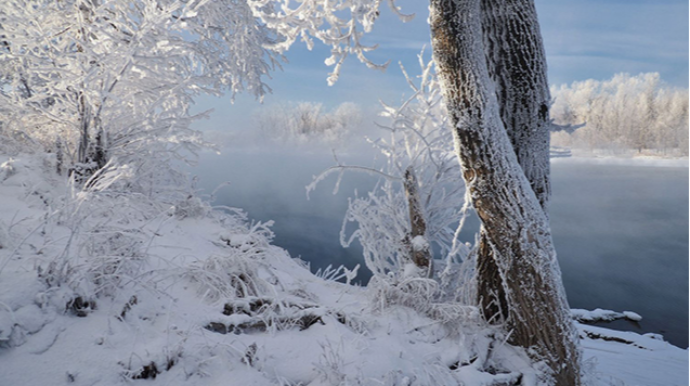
x,y
583,40
598,38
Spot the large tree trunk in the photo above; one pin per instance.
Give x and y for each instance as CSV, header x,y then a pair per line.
x,y
515,225
517,65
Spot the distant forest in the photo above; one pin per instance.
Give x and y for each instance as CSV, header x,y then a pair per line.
x,y
621,114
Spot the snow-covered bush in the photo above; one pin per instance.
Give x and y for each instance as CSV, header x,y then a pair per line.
x,y
235,274
419,140
307,122
424,296
10,145
105,245
192,206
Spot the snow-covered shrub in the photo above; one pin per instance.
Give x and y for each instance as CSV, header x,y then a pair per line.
x,y
419,140
108,265
229,276
114,256
335,274
9,144
8,331
307,122
191,206
105,245
235,273
424,296
101,254
330,366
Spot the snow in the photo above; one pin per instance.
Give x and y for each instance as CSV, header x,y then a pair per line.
x,y
419,243
634,359
599,315
643,161
289,326
632,316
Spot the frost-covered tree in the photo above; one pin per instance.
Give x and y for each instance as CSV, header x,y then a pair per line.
x,y
673,120
111,82
491,64
625,112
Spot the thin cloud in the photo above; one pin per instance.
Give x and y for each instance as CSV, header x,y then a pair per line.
x,y
613,36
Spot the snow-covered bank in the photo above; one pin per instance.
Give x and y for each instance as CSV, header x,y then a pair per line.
x,y
188,297
627,358
642,160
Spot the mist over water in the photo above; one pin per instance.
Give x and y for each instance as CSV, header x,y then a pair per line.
x,y
621,231
270,185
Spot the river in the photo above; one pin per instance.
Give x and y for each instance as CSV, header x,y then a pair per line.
x,y
620,229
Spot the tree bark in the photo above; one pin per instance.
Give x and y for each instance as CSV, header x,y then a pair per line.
x,y
420,253
517,66
515,224
84,121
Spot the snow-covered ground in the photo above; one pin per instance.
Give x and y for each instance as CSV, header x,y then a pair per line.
x,y
632,159
186,296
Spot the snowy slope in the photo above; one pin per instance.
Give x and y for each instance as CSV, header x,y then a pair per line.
x,y
627,358
133,293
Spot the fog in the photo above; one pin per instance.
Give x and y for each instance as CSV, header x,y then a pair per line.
x,y
620,226
268,181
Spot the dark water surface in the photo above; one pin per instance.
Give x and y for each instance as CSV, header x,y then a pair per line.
x,y
621,232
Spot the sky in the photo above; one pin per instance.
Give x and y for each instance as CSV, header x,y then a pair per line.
x,y
584,39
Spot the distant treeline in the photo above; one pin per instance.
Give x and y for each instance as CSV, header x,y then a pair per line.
x,y
623,113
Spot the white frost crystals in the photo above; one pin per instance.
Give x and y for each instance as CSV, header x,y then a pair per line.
x,y
339,24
